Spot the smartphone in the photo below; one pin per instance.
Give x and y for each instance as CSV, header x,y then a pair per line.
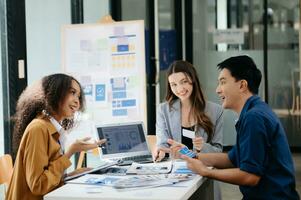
x,y
187,152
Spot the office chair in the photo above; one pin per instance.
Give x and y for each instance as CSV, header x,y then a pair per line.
x,y
82,154
151,139
6,169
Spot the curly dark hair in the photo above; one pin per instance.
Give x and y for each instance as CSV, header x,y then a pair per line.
x,y
46,94
197,97
55,89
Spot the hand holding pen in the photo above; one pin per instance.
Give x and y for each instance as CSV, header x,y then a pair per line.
x,y
159,154
198,143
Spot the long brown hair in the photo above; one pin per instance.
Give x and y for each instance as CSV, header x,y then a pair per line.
x,y
198,102
45,94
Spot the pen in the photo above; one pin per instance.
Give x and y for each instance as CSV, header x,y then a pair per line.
x,y
157,156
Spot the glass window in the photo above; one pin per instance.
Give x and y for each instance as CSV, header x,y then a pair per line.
x,y
213,23
94,10
167,40
284,67
1,104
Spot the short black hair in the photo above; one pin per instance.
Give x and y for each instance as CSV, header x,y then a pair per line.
x,y
243,68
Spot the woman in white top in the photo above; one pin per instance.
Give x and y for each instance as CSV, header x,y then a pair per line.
x,y
186,116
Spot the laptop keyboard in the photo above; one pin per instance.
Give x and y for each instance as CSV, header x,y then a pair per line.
x,y
137,158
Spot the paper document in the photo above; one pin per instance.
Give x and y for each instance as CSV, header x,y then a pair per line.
x,y
188,133
147,181
150,168
144,181
180,167
95,179
103,165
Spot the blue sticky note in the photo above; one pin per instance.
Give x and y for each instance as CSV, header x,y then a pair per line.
x,y
100,92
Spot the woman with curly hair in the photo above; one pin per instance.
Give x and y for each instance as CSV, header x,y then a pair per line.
x,y
44,113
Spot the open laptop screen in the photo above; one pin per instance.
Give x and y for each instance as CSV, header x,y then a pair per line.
x,y
123,138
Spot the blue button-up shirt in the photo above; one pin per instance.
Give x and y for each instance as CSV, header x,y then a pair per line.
x,y
262,149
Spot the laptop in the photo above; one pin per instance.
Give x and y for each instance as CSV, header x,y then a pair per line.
x,y
126,143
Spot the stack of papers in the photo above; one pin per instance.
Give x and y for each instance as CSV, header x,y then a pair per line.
x,y
95,179
180,167
146,181
146,176
150,168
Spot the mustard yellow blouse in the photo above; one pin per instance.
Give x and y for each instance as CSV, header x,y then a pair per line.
x,y
39,165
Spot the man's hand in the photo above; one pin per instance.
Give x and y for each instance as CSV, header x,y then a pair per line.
x,y
83,145
174,148
196,165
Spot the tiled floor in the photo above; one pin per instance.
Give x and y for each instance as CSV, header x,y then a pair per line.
x,y
297,162
231,192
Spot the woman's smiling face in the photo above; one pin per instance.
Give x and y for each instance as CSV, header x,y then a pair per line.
x,y
71,103
180,85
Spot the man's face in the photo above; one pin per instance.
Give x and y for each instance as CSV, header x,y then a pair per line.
x,y
228,90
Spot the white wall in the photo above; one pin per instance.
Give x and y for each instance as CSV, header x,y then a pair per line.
x,y
44,20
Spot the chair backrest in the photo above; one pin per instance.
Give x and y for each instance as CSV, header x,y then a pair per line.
x,y
151,139
81,157
6,169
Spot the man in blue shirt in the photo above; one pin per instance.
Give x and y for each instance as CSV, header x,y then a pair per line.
x,y
260,162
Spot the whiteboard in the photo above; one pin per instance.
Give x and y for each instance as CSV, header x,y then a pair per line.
x,y
109,61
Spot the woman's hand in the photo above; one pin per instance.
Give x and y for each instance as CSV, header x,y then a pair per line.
x,y
78,171
83,145
159,153
198,143
174,148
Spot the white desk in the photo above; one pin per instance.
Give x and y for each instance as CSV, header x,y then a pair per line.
x,y
197,188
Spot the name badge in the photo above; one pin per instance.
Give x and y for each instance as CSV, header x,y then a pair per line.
x,y
188,133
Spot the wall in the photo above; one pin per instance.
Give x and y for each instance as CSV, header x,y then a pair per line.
x,y
43,23
44,20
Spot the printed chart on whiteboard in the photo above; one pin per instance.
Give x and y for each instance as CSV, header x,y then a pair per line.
x,y
109,62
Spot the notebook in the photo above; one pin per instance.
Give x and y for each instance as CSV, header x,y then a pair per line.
x,y
126,142
102,166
